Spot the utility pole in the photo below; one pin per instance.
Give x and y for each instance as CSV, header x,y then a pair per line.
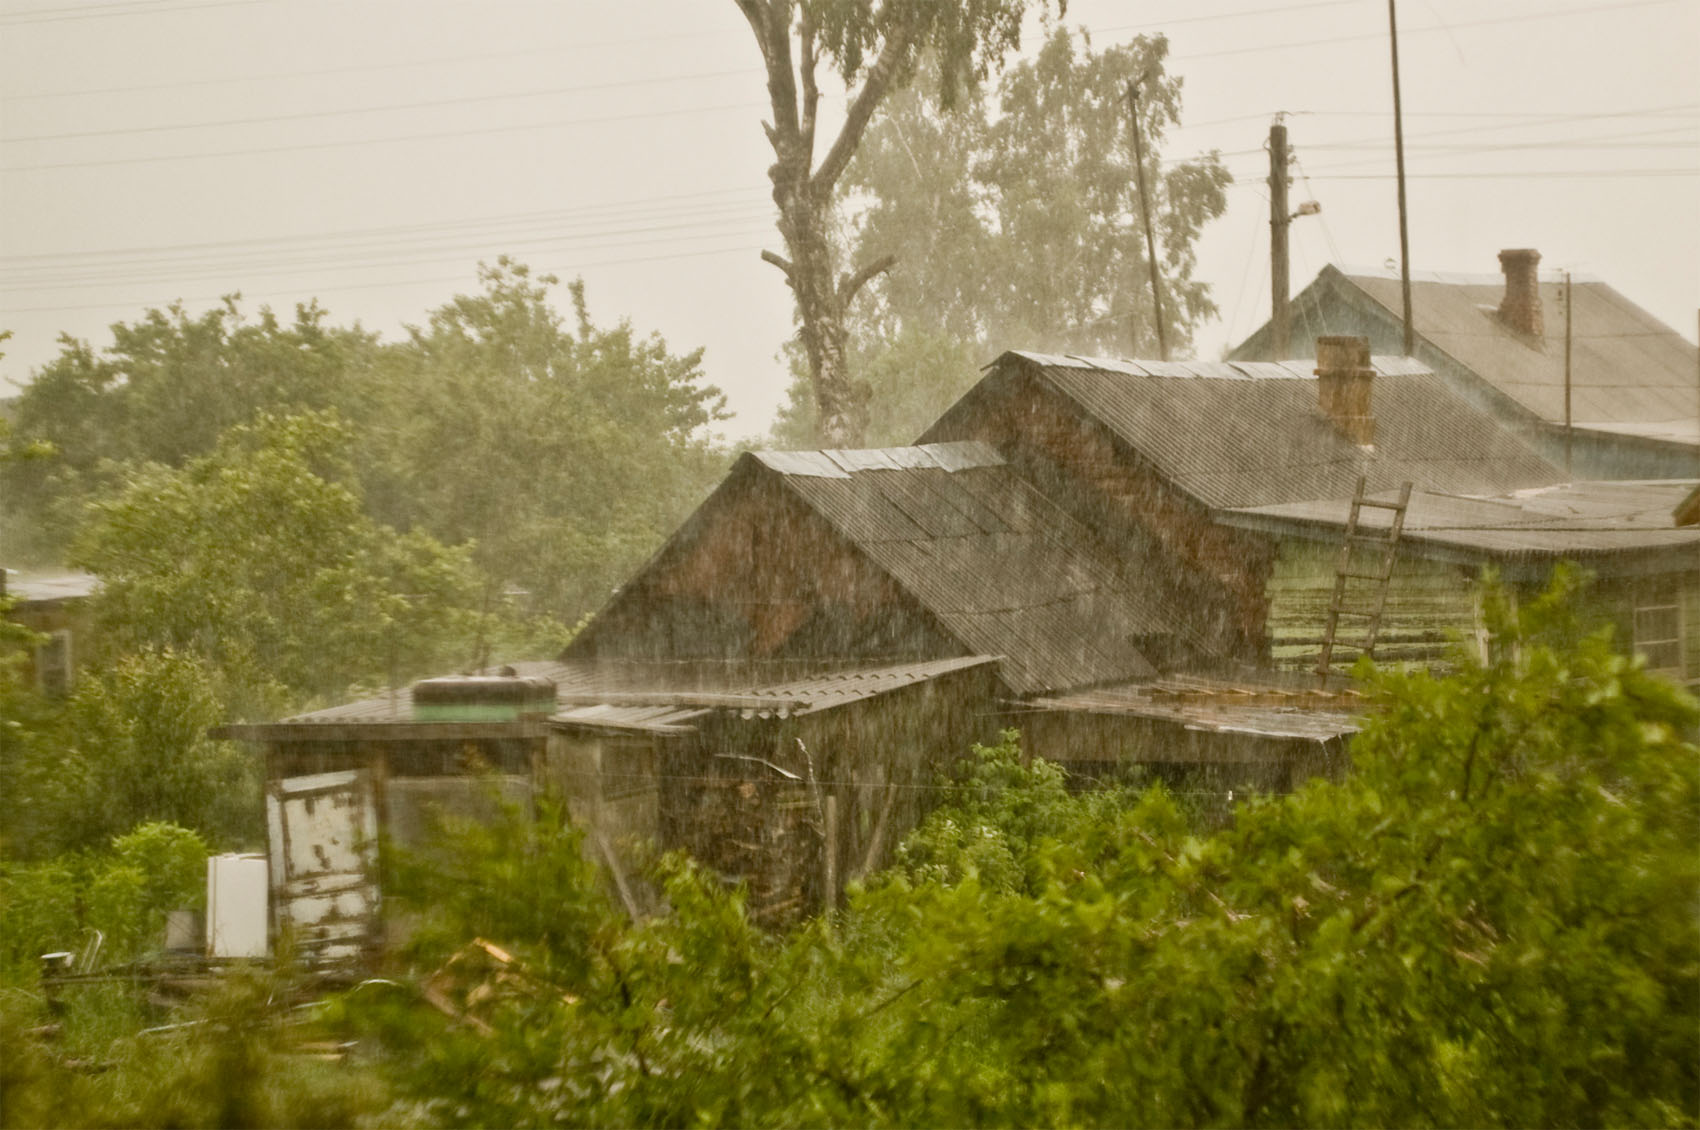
x,y
1280,316
1399,157
1569,309
1145,211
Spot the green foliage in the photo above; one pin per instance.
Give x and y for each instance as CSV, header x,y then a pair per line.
x,y
1002,821
909,381
557,454
163,392
1016,227
967,40
229,1059
562,454
1495,919
259,559
523,880
129,746
123,893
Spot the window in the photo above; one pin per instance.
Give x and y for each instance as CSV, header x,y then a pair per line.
x,y
53,664
1658,633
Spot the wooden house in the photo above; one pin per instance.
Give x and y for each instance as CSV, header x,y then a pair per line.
x,y
1645,564
1499,341
1122,559
56,606
1154,453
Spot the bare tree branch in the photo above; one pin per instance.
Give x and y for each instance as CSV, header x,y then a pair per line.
x,y
777,260
880,77
781,83
809,57
850,284
755,11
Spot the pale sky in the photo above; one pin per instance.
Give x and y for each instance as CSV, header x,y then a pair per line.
x,y
370,152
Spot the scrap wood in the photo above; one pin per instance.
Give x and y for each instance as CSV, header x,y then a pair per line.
x,y
504,977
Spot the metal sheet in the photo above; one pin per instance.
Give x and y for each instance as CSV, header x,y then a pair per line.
x,y
813,463
1232,442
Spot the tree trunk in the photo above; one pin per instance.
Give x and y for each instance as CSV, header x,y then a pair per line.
x,y
820,313
804,195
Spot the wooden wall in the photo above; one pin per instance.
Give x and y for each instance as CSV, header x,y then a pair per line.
x,y
876,760
1426,603
1213,576
758,576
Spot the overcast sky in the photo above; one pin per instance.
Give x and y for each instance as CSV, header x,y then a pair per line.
x,y
370,152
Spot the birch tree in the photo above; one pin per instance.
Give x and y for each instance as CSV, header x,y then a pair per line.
x,y
874,46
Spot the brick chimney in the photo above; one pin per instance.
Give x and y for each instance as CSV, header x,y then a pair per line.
x,y
1521,307
1343,380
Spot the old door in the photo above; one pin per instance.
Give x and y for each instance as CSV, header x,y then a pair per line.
x,y
323,832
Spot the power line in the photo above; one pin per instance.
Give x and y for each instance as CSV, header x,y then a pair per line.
x,y
307,115
411,280
1616,6
599,208
367,68
106,11
429,135
401,255
1552,174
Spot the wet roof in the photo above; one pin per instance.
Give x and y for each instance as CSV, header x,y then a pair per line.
x,y
1585,519
618,696
42,588
1236,434
1001,567
1257,711
1630,373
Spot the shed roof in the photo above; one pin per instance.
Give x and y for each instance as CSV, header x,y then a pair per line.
x,y
1259,712
1570,520
617,696
1002,568
47,588
1630,373
1235,434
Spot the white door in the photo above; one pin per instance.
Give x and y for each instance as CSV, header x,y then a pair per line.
x,y
323,833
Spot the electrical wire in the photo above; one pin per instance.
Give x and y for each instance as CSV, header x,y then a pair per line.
x,y
1616,6
423,104
400,258
599,209
366,142
410,280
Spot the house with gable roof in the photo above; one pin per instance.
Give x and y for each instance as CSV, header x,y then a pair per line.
x,y
1127,560
1499,341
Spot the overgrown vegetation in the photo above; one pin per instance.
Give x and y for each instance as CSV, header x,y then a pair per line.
x,y
1493,919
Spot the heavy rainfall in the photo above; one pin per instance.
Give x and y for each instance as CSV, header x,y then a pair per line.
x,y
807,562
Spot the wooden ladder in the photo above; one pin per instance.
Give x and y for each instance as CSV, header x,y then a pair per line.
x,y
1349,569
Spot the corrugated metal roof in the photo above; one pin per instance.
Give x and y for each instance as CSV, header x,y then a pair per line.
x,y
1565,520
839,688
1234,434
649,719
999,565
1223,712
841,464
1627,367
628,697
41,588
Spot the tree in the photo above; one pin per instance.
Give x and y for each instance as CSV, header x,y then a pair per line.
x,y
561,454
1492,920
877,45
1017,226
259,559
163,392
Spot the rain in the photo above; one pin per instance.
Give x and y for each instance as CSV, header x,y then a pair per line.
x,y
790,562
